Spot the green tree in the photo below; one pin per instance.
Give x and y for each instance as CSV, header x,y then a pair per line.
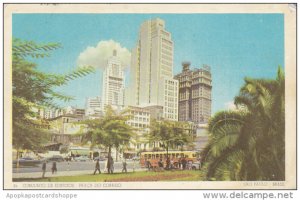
x,y
249,144
33,90
170,134
111,131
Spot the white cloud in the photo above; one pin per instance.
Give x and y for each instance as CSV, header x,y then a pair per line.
x,y
97,56
230,105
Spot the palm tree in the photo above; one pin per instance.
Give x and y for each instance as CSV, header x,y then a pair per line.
x,y
111,131
248,143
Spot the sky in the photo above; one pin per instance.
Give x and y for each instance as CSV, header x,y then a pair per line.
x,y
235,46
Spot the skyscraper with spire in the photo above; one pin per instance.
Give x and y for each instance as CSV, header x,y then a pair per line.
x,y
113,83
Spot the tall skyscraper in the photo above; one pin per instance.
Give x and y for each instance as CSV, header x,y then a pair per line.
x,y
194,94
151,74
113,83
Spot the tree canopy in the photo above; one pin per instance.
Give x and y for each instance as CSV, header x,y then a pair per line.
x,y
249,143
111,131
33,89
170,134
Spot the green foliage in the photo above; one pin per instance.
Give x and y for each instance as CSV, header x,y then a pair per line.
x,y
248,144
33,90
170,134
23,49
109,131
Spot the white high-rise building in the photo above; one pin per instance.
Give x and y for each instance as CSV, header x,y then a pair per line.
x,y
49,113
93,106
113,83
151,74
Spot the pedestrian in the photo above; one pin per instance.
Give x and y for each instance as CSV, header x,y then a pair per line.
x,y
183,162
44,169
168,162
69,159
110,165
97,167
190,165
124,166
172,163
148,165
179,163
160,164
54,169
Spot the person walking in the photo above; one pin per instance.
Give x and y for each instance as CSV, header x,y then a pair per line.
x,y
172,163
97,167
160,165
179,163
110,165
124,166
183,161
190,165
148,163
44,169
54,169
168,162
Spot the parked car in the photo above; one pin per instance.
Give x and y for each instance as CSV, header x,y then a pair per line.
x,y
196,165
100,158
136,158
82,158
68,158
56,158
27,161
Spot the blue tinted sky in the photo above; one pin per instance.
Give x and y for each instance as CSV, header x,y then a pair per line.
x,y
234,45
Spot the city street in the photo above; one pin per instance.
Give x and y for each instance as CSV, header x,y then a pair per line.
x,y
76,166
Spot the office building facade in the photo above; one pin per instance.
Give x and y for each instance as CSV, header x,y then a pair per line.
x,y
195,87
113,83
151,66
93,106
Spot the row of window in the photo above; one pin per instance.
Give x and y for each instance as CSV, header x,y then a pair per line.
x,y
167,42
167,51
137,125
166,57
144,119
166,62
165,33
139,113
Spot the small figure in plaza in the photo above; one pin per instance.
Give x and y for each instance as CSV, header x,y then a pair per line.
x,y
54,169
110,165
160,164
183,163
124,166
190,165
148,164
97,167
172,163
44,169
180,163
168,162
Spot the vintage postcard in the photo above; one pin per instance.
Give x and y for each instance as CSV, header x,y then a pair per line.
x,y
149,96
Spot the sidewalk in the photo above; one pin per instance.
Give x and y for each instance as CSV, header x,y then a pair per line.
x,y
63,173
